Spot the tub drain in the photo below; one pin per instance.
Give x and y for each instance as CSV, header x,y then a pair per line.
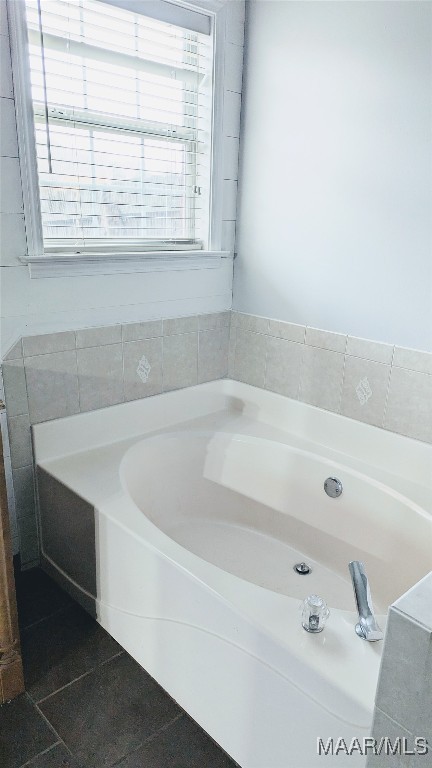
x,y
302,568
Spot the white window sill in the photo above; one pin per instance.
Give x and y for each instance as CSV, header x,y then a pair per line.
x,y
73,265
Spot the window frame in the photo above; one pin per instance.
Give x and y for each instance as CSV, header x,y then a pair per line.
x,y
48,264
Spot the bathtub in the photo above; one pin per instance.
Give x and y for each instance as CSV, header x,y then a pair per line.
x,y
176,521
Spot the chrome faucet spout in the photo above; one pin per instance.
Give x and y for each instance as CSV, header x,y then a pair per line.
x,y
367,627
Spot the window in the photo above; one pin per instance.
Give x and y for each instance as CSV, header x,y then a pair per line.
x,y
122,107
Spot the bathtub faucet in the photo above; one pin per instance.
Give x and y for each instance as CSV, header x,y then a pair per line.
x,y
367,627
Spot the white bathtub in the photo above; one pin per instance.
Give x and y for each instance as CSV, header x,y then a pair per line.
x,y
177,520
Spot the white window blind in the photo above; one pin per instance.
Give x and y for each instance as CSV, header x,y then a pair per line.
x,y
123,109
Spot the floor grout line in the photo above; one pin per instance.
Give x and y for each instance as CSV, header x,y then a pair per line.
x,y
50,726
69,751
150,738
80,677
39,754
50,615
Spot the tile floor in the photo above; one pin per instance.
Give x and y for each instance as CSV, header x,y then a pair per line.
x,y
88,704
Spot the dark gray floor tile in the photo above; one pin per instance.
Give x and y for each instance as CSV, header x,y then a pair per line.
x,y
182,745
23,732
56,757
38,596
110,712
61,648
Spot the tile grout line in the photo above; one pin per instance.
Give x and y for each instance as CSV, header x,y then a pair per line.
x,y
39,754
51,727
77,375
266,355
150,738
300,378
342,382
44,618
80,677
388,389
123,366
198,355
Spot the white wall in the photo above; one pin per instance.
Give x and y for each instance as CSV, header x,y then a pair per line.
x,y
335,195
30,306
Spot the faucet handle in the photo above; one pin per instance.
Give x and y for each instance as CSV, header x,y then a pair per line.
x,y
314,613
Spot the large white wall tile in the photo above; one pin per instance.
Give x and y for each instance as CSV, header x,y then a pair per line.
x,y
3,19
6,87
13,244
228,236
229,199
232,109
230,157
235,21
233,67
11,200
8,133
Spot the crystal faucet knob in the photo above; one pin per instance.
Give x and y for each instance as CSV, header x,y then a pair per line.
x,y
314,613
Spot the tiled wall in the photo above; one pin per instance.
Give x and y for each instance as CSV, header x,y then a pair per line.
x,y
383,385
55,375
404,695
60,374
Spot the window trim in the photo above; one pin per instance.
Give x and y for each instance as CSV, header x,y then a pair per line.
x,y
44,263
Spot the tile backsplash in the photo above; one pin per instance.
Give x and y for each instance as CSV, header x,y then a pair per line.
x,y
381,384
60,374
